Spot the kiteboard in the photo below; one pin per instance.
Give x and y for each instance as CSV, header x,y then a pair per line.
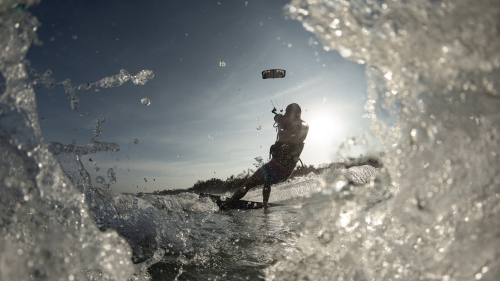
x,y
240,204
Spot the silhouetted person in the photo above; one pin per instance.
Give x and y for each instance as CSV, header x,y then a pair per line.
x,y
285,153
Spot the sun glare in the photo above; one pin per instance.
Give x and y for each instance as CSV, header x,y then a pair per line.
x,y
323,129
324,137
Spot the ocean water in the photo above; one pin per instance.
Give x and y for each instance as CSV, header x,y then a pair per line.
x,y
431,212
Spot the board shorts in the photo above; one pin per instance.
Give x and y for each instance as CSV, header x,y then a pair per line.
x,y
275,173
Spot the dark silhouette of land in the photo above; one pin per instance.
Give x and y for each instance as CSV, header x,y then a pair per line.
x,y
232,183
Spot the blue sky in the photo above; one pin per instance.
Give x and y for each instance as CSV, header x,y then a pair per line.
x,y
192,97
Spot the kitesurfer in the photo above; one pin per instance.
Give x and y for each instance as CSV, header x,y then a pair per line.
x,y
284,154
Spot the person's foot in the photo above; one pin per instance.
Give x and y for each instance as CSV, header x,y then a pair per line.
x,y
226,205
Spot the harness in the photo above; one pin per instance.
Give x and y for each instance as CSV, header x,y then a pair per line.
x,y
288,153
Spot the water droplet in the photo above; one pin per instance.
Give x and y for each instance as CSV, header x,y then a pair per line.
x,y
145,180
214,173
142,77
178,156
419,135
97,169
74,37
145,101
259,127
100,179
88,113
136,141
74,130
345,53
111,175
43,119
81,115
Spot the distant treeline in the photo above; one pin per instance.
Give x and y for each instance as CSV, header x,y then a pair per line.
x,y
232,183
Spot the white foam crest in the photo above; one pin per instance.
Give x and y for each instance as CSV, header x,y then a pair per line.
x,y
117,80
436,65
47,232
331,180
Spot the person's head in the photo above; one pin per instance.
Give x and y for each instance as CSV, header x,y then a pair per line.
x,y
293,110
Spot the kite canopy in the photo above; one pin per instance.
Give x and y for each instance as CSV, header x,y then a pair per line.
x,y
273,73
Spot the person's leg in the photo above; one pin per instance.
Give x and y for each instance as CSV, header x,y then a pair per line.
x,y
265,194
256,179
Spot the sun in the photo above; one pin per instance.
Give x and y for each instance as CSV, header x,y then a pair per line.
x,y
324,137
323,129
